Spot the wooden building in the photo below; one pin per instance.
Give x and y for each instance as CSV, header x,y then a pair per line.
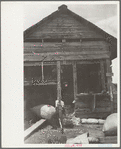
x,y
67,57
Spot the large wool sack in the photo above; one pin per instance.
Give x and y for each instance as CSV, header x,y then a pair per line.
x,y
110,125
101,121
81,139
83,120
92,121
44,111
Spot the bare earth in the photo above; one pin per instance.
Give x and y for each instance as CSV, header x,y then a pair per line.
x,y
40,136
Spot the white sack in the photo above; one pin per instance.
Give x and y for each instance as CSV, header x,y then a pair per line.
x,y
110,125
47,111
83,121
44,111
92,121
101,121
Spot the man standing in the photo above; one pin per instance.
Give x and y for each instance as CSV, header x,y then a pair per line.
x,y
59,105
60,111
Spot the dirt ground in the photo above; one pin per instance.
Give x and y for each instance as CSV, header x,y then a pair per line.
x,y
40,136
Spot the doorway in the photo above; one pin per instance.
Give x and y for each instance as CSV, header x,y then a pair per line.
x,y
67,92
88,76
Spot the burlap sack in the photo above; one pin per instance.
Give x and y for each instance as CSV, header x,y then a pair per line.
x,y
92,121
84,121
101,121
110,125
89,121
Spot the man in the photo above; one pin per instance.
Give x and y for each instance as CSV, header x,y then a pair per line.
x,y
59,105
60,111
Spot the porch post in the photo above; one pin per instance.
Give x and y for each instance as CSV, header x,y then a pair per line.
x,y
109,82
42,72
102,75
58,81
74,79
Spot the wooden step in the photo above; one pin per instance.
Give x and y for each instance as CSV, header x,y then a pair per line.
x,y
34,127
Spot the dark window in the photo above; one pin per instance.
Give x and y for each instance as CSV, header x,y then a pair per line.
x,y
88,78
50,73
32,72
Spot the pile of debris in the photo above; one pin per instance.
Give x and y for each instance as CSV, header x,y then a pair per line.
x,y
109,129
75,121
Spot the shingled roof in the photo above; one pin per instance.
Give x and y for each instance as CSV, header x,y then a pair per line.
x,y
63,9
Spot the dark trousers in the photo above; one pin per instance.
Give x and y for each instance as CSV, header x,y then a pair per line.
x,y
54,121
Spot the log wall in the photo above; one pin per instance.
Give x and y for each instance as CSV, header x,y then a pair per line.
x,y
115,102
84,46
63,26
84,107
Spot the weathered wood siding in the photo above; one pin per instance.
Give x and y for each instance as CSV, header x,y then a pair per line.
x,y
36,95
84,107
63,26
115,102
64,51
91,45
84,46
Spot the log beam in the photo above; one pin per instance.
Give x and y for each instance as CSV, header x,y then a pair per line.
x,y
102,75
75,79
109,83
58,81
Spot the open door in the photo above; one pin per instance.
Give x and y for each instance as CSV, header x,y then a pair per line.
x,y
67,84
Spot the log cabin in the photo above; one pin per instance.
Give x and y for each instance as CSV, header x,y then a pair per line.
x,y
67,57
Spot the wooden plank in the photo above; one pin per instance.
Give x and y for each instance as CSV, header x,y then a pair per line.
x,y
67,46
88,62
103,109
34,127
58,81
102,75
84,44
42,71
74,79
64,34
62,63
61,53
61,58
94,103
39,63
64,49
